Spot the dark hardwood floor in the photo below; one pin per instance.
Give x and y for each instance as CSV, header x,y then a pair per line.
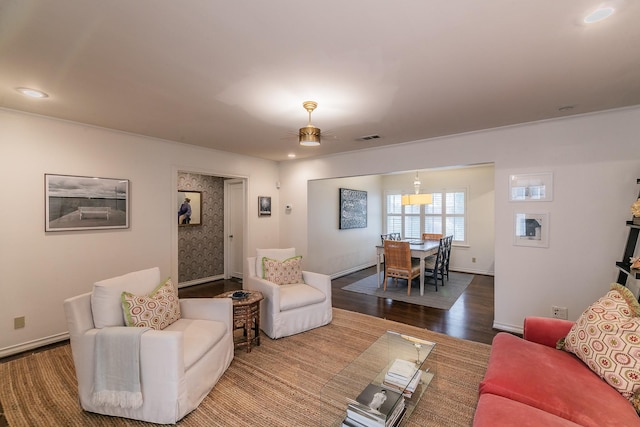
x,y
471,317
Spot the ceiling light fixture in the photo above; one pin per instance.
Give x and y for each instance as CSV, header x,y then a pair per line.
x,y
599,15
309,135
32,93
417,198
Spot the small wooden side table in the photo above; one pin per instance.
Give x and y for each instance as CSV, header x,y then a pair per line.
x,y
246,316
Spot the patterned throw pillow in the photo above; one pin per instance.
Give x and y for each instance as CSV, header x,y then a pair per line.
x,y
157,310
283,272
607,338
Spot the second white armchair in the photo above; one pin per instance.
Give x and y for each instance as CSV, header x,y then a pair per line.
x,y
288,308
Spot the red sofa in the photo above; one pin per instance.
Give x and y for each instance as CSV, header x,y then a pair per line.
x,y
530,383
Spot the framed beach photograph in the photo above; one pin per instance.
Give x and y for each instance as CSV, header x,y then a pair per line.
x,y
531,229
264,206
85,203
189,208
532,187
353,209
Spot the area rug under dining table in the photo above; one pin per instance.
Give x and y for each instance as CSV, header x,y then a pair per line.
x,y
278,384
443,298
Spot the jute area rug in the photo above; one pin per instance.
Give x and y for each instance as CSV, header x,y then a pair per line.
x,y
277,384
444,298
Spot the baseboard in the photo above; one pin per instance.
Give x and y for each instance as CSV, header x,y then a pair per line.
x,y
30,345
351,270
508,328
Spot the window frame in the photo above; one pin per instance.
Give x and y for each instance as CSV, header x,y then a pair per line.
x,y
403,215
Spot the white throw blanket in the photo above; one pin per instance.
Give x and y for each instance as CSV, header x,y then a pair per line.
x,y
117,367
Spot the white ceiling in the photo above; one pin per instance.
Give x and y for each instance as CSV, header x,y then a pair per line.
x,y
232,75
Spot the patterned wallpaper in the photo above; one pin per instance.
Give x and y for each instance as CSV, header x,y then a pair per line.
x,y
201,247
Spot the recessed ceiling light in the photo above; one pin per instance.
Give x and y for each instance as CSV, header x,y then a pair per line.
x,y
32,93
291,156
599,15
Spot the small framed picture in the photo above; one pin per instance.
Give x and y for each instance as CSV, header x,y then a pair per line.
x,y
532,187
264,206
531,229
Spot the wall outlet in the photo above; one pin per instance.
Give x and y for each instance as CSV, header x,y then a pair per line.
x,y
473,259
18,322
559,312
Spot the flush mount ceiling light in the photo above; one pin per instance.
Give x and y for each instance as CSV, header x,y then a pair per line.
x,y
309,135
417,198
599,15
32,93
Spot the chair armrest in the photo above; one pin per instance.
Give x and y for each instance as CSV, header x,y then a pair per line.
x,y
219,309
545,330
321,282
270,291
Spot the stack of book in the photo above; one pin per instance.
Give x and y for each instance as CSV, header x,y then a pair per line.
x,y
376,406
403,377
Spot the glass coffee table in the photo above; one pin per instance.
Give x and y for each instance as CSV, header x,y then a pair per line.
x,y
383,385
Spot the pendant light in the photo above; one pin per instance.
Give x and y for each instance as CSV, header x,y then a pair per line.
x,y
417,198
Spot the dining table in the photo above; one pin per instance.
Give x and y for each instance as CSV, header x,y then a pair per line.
x,y
419,249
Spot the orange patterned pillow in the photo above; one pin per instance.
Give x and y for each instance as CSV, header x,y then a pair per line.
x,y
284,272
157,310
607,338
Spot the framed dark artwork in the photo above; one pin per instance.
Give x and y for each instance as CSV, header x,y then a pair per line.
x,y
189,208
264,206
85,203
353,209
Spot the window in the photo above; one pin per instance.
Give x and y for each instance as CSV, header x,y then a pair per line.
x,y
445,215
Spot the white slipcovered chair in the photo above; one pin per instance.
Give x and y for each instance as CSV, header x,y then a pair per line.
x,y
292,308
179,365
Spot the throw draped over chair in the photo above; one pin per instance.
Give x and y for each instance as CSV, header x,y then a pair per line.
x,y
178,365
434,268
431,236
289,308
399,264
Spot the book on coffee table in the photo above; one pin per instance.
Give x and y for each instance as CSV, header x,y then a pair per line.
x,y
375,406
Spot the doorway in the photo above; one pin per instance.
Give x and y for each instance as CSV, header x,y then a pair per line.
x,y
205,251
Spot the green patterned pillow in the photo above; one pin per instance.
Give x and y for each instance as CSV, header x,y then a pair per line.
x,y
157,310
607,338
284,272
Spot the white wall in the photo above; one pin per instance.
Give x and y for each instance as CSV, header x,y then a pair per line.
x,y
595,161
39,270
330,249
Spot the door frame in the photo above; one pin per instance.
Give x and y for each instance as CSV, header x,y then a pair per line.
x,y
175,170
227,215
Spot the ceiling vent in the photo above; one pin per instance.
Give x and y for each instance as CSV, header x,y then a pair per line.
x,y
368,137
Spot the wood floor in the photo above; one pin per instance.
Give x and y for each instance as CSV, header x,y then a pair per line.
x,y
471,317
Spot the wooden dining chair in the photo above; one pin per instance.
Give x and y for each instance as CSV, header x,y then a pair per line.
x,y
399,264
434,265
431,236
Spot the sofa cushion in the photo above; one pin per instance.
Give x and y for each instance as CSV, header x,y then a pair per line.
x,y
286,272
199,336
299,295
493,411
607,338
157,310
106,302
279,254
553,381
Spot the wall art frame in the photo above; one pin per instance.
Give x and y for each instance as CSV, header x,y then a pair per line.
x,y
195,202
531,187
353,209
264,205
75,203
531,229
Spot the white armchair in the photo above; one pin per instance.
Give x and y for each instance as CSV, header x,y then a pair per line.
x,y
179,365
292,308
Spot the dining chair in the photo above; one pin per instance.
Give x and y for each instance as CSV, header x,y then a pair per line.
x,y
447,255
431,236
434,265
399,264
